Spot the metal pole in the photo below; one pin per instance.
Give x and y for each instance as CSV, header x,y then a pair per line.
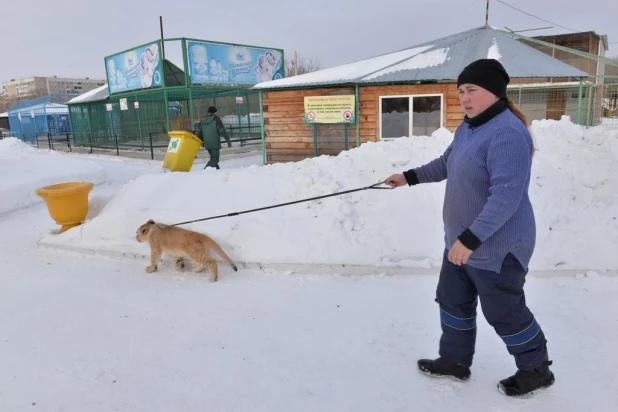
x,y
185,64
116,141
151,149
487,14
191,118
238,114
90,141
345,141
162,43
167,111
588,119
579,100
357,115
139,122
262,129
248,112
69,142
315,140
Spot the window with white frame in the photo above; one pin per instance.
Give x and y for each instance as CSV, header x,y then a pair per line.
x,y
410,115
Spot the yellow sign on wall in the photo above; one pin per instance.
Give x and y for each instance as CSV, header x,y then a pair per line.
x,y
330,109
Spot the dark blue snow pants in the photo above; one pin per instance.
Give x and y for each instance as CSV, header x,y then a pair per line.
x,y
503,304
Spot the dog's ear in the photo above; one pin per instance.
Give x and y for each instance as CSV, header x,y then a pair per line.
x,y
151,222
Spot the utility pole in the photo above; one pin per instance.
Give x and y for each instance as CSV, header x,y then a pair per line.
x,y
487,14
162,43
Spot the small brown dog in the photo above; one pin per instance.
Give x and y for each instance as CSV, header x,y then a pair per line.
x,y
179,243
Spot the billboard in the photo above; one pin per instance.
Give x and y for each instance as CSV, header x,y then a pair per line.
x,y
138,68
231,64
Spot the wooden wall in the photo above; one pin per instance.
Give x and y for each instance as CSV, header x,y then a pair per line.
x,y
288,138
586,42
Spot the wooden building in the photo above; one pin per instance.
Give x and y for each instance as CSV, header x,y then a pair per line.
x,y
404,93
587,42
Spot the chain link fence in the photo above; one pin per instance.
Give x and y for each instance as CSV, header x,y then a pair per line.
x,y
587,103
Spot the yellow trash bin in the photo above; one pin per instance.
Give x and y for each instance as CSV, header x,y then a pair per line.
x,y
181,151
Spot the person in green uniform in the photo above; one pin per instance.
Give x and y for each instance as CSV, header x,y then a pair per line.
x,y
210,129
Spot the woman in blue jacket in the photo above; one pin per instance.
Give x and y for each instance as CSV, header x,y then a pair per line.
x,y
490,232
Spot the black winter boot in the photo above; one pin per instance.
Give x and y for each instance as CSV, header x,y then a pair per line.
x,y
527,381
441,367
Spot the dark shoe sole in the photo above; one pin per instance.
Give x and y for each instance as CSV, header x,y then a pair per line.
x,y
437,375
527,394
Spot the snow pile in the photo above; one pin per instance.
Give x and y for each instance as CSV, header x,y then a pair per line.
x,y
575,194
573,189
24,169
12,148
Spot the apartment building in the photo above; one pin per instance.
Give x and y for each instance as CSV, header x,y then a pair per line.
x,y
29,87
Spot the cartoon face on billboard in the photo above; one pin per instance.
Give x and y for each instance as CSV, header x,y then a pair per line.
x,y
134,69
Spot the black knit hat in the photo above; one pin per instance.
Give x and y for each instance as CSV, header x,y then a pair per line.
x,y
486,73
212,109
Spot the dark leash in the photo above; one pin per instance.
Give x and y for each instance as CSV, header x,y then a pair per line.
x,y
374,186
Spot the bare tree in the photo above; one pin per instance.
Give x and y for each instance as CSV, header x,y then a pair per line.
x,y
6,102
297,64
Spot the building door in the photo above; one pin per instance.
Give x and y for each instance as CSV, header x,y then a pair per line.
x,y
556,104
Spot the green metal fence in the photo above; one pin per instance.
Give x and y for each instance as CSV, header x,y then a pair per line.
x,y
134,118
590,102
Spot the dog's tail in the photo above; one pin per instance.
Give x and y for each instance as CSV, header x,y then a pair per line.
x,y
221,253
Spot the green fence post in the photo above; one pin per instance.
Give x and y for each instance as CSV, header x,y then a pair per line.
x,y
191,118
579,100
356,115
238,114
315,140
167,111
588,119
185,64
262,129
139,121
248,113
72,124
345,137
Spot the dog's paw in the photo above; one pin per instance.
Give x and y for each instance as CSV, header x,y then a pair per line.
x,y
151,269
179,264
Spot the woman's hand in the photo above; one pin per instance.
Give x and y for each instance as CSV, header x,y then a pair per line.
x,y
459,254
396,180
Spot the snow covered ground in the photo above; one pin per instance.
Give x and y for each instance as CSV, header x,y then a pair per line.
x,y
23,168
81,332
574,190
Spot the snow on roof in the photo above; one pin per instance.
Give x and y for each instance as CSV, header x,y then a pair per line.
x,y
420,61
43,108
494,51
95,95
545,85
441,59
348,72
5,114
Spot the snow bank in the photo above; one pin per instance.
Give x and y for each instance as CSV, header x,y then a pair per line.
x,y
573,189
24,169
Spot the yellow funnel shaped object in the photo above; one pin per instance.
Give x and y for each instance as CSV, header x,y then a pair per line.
x,y
67,203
